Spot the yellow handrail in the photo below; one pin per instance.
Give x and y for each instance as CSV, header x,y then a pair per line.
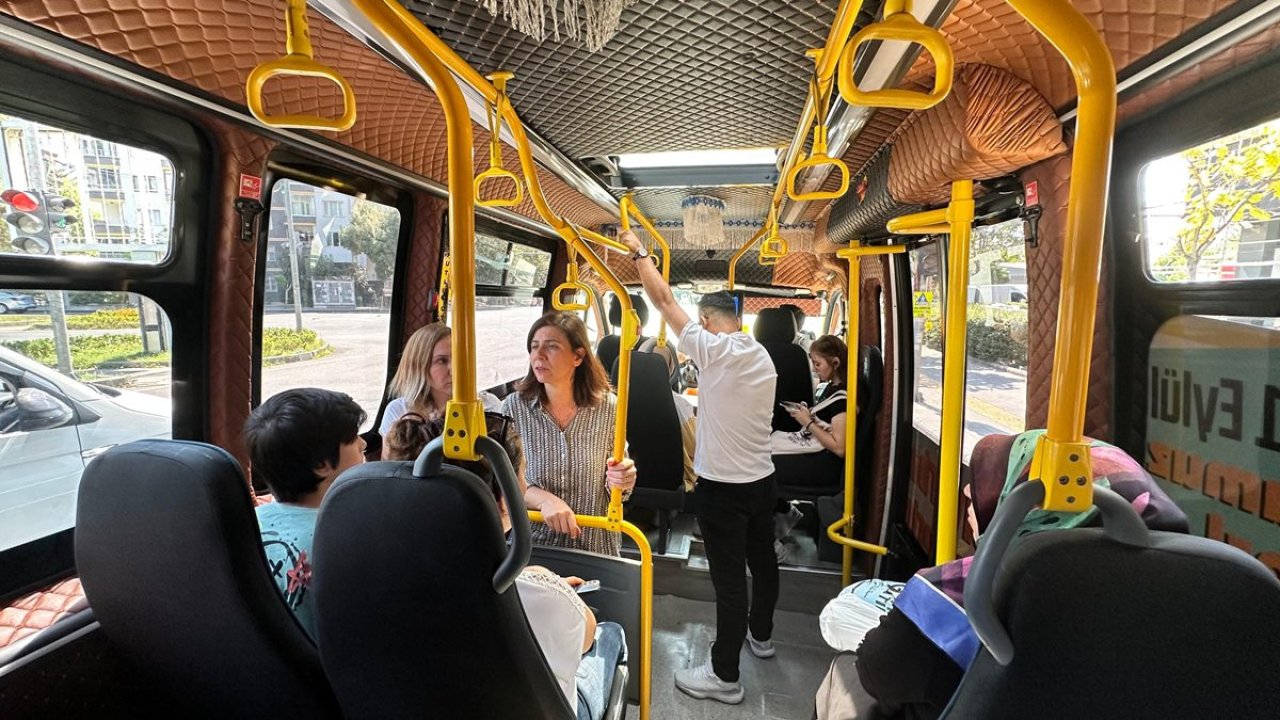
x,y
1061,460
898,24
626,210
496,171
733,262
853,300
464,414
298,62
407,30
572,284
443,309
959,223
818,151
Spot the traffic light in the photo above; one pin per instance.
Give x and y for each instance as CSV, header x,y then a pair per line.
x,y
29,217
36,216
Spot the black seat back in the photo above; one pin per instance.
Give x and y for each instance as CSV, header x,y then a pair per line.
x,y
608,346
1118,622
870,396
775,329
653,427
411,618
168,549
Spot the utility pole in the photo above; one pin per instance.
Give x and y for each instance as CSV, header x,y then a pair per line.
x,y
57,299
292,244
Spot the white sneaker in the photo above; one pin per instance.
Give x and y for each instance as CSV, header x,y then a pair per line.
x,y
760,648
781,550
702,683
784,522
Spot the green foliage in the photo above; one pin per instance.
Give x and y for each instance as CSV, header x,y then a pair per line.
x,y
89,352
278,342
119,319
996,335
374,231
1230,183
93,297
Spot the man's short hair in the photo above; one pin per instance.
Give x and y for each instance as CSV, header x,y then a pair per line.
x,y
296,431
721,302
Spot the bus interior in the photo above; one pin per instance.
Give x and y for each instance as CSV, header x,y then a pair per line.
x,y
191,229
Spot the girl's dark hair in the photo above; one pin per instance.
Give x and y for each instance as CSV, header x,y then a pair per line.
x,y
411,432
590,381
408,435
833,348
296,431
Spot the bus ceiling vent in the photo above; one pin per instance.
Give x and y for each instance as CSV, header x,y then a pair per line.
x,y
704,222
589,22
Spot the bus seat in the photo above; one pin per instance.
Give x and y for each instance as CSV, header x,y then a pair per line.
x,y
168,549
617,600
607,347
1117,621
409,617
654,441
775,329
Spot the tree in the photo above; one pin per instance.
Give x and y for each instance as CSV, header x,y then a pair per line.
x,y
1230,183
375,232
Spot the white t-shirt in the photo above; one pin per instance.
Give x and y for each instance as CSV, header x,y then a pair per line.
x,y
398,407
736,385
558,619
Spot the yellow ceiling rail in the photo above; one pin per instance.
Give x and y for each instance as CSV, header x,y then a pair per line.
x,y
818,150
733,262
429,50
958,217
464,414
571,284
841,531
627,209
1061,460
496,171
898,24
298,61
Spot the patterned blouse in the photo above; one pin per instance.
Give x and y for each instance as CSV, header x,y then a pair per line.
x,y
570,464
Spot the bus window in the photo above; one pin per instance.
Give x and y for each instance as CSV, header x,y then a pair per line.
x,y
926,299
66,395
81,196
996,367
1212,439
508,278
1212,212
327,289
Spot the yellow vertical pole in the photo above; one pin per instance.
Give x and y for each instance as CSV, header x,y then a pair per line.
x,y
960,218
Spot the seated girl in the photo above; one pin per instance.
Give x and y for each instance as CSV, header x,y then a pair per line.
x,y
582,654
814,456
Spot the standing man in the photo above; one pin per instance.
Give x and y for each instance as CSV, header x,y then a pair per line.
x,y
735,494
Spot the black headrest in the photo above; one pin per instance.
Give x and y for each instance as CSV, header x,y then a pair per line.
x,y
775,325
637,302
653,427
168,549
796,313
434,638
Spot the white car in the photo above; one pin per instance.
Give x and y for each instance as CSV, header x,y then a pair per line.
x,y
50,427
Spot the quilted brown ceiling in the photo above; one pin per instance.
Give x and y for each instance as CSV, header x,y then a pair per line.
x,y
679,75
213,44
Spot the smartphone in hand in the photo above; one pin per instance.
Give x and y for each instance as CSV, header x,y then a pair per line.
x,y
588,586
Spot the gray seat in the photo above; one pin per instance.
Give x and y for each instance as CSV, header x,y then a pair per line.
x,y
168,549
775,329
1117,621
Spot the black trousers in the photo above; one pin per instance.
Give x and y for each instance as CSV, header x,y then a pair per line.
x,y
737,531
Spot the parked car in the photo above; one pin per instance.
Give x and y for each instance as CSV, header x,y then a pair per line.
x,y
51,426
12,302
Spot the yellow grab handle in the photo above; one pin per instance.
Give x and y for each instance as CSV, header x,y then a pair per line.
x,y
774,247
559,303
498,173
816,160
298,62
898,24
766,260
626,209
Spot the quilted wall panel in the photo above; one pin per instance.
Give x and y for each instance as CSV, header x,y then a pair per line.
x,y
990,124
422,266
213,46
38,610
1044,269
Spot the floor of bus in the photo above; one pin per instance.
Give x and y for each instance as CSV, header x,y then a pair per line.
x,y
781,687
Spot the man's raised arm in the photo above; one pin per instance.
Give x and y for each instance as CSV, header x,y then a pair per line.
x,y
655,287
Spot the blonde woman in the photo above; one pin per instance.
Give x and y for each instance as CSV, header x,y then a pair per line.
x,y
424,381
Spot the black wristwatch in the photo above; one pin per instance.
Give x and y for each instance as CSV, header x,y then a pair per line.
x,y
640,254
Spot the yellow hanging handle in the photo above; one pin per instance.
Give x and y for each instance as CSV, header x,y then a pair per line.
x,y
774,247
572,284
626,210
818,152
298,62
496,171
444,290
898,24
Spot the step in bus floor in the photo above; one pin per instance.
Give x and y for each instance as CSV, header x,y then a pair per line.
x,y
780,688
